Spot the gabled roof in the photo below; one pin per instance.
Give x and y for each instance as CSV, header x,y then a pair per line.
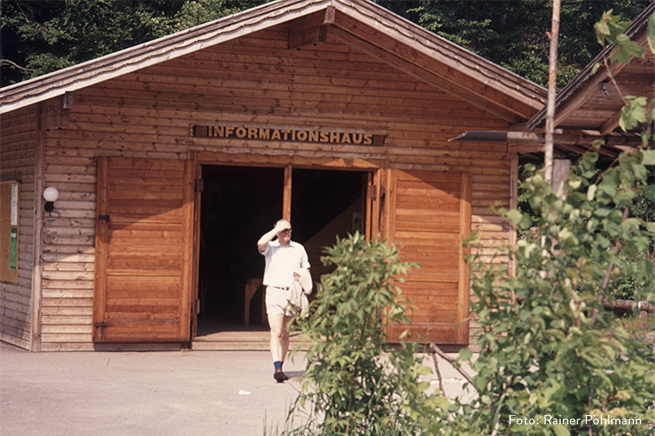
x,y
591,100
358,23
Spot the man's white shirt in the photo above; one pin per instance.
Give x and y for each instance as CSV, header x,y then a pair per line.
x,y
282,261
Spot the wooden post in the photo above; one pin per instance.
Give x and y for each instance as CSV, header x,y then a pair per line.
x,y
552,91
286,202
37,255
561,168
642,323
513,203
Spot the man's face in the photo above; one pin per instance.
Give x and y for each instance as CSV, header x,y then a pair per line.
x,y
284,236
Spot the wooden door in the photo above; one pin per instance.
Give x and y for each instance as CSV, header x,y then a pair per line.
x,y
144,242
373,204
429,215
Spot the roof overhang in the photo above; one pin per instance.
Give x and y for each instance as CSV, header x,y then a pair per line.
x,y
358,23
567,142
592,101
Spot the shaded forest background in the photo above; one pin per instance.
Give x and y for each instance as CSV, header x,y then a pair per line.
x,y
41,36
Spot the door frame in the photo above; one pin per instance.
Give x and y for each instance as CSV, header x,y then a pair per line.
x,y
374,210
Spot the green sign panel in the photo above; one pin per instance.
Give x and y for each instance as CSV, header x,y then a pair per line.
x,y
13,247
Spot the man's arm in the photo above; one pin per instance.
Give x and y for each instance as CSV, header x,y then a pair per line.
x,y
270,235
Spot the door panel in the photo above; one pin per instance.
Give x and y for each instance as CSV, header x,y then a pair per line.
x,y
143,250
429,215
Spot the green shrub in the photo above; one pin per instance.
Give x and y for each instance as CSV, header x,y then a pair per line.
x,y
549,351
356,383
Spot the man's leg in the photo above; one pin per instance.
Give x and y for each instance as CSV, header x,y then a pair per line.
x,y
279,342
284,342
276,323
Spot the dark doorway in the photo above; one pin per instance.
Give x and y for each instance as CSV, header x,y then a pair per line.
x,y
324,205
238,205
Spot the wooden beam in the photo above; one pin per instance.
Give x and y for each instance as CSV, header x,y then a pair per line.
x,y
513,204
38,223
611,123
463,297
69,100
311,29
286,202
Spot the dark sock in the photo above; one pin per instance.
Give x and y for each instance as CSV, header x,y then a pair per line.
x,y
278,365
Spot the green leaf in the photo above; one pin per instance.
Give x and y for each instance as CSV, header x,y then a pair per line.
x,y
602,30
649,155
651,33
514,216
623,395
465,354
602,212
649,192
442,402
626,50
560,430
633,113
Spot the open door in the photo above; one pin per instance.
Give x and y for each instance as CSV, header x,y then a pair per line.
x,y
429,216
238,204
144,247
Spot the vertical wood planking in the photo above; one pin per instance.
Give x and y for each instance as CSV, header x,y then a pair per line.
x,y
431,220
143,280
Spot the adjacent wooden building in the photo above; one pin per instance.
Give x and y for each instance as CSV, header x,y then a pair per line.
x,y
171,158
592,102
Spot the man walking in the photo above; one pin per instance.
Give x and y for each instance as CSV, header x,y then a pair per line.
x,y
283,258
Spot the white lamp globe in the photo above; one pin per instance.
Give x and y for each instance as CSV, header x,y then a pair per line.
x,y
51,194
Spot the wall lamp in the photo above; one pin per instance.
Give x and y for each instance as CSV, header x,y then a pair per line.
x,y
50,195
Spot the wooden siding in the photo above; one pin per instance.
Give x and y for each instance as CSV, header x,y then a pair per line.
x,y
18,133
252,80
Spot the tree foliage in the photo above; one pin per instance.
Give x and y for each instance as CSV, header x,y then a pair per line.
x,y
553,360
514,34
356,382
41,36
548,346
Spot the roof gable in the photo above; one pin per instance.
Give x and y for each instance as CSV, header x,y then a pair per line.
x,y
358,23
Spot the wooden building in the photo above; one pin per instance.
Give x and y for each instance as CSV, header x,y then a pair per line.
x,y
171,158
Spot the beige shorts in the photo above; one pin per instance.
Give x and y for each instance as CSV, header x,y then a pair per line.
x,y
277,301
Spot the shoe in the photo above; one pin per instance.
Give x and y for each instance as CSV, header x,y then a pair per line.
x,y
280,376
